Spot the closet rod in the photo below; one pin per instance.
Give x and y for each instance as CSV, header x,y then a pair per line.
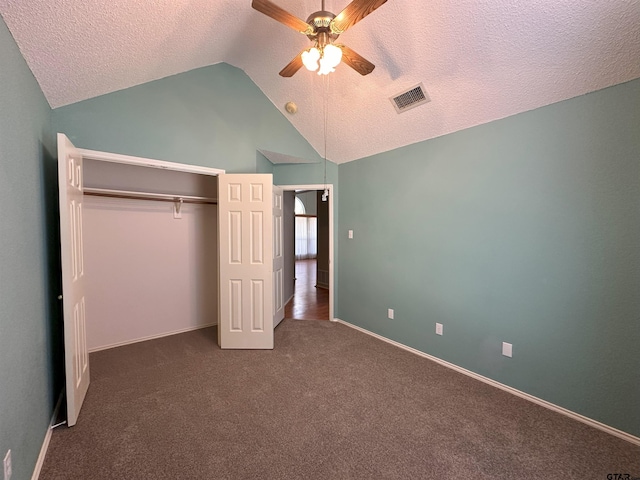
x,y
161,197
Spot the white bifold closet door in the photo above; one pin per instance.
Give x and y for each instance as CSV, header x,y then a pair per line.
x,y
73,276
245,244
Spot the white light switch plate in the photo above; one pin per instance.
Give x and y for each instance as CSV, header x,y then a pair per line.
x,y
390,313
350,233
507,349
438,329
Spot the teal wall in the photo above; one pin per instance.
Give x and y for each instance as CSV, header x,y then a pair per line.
x,y
524,230
263,165
213,116
26,316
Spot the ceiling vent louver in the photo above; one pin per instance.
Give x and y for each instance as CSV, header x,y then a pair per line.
x,y
410,98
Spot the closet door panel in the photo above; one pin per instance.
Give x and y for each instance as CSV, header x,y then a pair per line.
x,y
245,266
70,163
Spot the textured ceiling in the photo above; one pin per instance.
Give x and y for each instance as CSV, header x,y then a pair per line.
x,y
479,60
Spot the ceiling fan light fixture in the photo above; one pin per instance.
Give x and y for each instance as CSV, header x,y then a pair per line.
x,y
310,59
329,59
325,67
323,28
332,55
323,60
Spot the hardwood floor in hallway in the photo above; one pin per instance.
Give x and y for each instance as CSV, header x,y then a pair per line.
x,y
308,302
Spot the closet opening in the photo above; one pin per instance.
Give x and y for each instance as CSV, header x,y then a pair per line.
x,y
150,252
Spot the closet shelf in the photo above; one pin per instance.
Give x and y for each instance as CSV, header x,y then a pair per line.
x,y
161,197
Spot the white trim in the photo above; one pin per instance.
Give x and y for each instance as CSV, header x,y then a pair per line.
x,y
151,337
47,438
518,393
148,162
322,186
290,298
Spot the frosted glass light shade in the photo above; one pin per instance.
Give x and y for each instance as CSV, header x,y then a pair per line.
x,y
310,59
332,55
324,62
325,67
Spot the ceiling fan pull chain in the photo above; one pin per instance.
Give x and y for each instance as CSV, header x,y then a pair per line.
x,y
325,114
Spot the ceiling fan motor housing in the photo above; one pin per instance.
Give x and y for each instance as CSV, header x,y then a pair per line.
x,y
320,21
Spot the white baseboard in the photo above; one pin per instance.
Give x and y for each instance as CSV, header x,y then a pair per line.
x,y
150,337
551,406
47,439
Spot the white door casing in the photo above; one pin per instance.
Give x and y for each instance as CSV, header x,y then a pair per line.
x,y
245,246
73,278
278,258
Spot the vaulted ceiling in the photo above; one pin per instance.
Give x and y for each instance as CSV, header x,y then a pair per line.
x,y
479,60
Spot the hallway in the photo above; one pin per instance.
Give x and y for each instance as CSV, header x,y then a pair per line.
x,y
309,302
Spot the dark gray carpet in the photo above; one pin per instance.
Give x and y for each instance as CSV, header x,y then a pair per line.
x,y
327,403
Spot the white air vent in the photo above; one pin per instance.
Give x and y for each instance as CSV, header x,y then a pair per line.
x,y
410,98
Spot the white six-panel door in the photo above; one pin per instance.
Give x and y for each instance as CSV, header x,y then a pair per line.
x,y
73,284
278,258
245,242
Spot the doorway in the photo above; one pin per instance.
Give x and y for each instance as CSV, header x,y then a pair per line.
x,y
310,252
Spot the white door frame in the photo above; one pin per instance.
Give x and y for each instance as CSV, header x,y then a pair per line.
x,y
329,187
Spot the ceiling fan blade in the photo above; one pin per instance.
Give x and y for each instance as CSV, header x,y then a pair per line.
x,y
356,61
353,13
293,66
272,10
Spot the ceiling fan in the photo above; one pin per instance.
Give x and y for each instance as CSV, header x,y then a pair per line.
x,y
323,28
